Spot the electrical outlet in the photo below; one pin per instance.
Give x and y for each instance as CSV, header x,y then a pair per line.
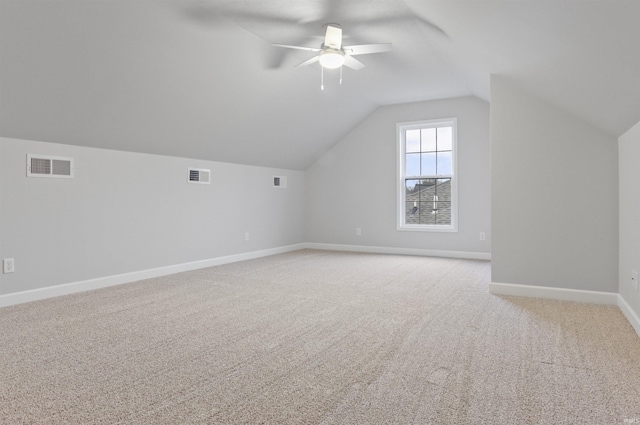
x,y
634,279
246,236
483,236
8,265
358,231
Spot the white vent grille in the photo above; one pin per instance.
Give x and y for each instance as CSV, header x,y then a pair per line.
x,y
280,181
49,166
199,175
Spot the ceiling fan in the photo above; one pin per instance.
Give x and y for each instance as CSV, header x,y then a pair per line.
x,y
332,54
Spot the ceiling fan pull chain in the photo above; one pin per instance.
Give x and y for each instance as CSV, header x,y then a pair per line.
x,y
321,78
340,75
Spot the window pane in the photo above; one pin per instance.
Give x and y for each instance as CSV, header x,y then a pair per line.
x,y
427,216
412,139
412,208
428,139
412,213
420,189
442,215
426,189
443,190
444,163
412,192
445,138
429,163
413,164
410,187
429,183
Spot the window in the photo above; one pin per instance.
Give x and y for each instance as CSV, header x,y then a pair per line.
x,y
427,184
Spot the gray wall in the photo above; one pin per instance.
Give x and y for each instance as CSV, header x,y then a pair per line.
x,y
629,162
354,184
554,184
126,212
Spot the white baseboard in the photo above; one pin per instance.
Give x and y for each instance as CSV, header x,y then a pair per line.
x,y
494,287
628,312
400,251
103,282
578,295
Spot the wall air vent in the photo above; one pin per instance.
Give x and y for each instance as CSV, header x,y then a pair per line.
x,y
280,181
49,166
199,175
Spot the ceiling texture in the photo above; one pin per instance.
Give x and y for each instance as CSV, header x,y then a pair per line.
x,y
201,79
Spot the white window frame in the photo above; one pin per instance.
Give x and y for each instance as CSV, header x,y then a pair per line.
x,y
401,129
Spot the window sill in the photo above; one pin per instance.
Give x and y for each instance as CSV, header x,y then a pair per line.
x,y
427,228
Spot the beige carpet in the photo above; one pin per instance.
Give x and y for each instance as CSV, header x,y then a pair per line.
x,y
315,337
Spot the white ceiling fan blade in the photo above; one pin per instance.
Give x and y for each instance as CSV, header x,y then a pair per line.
x,y
333,37
309,62
352,62
365,49
308,49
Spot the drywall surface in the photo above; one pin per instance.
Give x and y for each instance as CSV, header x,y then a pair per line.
x,y
124,212
554,185
354,184
629,163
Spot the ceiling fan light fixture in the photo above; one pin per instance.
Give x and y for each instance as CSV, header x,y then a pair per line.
x,y
331,59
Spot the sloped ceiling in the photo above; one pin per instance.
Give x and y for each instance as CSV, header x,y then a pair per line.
x,y
200,78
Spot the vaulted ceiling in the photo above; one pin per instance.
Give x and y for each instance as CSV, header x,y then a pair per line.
x,y
201,79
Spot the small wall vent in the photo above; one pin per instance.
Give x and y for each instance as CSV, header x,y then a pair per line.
x,y
199,175
49,166
280,181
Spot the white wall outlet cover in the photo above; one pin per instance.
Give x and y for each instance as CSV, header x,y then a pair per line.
x,y
8,265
